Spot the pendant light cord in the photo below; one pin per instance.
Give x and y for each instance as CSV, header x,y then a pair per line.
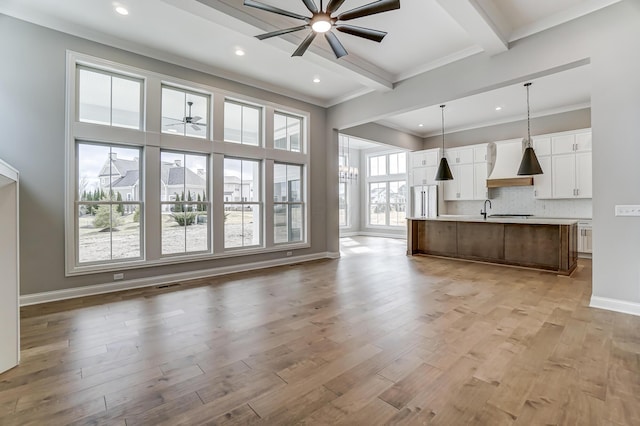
x,y
442,109
528,117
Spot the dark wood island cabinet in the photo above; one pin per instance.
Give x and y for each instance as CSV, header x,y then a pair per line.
x,y
547,244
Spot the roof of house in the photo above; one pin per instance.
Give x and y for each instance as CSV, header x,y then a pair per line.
x,y
129,179
118,167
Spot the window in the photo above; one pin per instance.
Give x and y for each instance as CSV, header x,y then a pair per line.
x,y
184,202
288,206
108,228
184,113
387,203
342,204
109,99
242,123
242,216
378,165
397,163
286,132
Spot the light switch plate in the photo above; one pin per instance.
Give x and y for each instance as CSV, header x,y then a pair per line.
x,y
628,210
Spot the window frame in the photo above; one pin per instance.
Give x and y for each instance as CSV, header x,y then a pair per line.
x,y
151,139
290,204
260,203
386,179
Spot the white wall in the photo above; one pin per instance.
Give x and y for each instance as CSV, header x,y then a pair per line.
x,y
609,40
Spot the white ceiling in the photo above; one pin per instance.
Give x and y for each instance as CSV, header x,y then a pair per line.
x,y
204,34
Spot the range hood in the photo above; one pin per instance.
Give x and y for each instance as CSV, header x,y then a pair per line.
x,y
506,157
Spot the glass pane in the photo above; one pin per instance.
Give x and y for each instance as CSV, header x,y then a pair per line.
x,y
126,233
125,103
198,231
279,182
393,164
280,223
280,131
233,217
342,203
232,122
295,217
294,187
250,180
172,171
293,130
250,126
251,225
402,162
173,111
373,166
377,214
198,116
174,222
94,237
94,97
382,165
108,172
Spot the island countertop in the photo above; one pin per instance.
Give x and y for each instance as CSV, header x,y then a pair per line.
x,y
531,220
533,242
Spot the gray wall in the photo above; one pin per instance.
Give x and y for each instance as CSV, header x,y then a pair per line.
x,y
32,116
609,40
578,119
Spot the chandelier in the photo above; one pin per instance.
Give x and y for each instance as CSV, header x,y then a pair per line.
x,y
346,173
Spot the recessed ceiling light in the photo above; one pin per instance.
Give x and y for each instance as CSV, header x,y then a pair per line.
x,y
420,125
122,10
498,108
316,80
239,52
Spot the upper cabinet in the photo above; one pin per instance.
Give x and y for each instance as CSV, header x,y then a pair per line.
x,y
566,160
424,165
470,170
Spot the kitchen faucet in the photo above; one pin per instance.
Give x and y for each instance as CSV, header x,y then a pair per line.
x,y
484,213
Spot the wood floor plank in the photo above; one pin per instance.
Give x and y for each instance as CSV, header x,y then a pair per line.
x,y
374,338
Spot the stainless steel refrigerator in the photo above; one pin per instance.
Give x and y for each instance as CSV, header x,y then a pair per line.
x,y
424,199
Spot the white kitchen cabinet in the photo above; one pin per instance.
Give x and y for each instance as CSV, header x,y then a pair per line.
x,y
585,237
424,165
572,175
480,153
459,155
583,142
563,144
542,146
542,184
462,186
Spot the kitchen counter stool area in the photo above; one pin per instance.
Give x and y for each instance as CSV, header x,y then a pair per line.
x,y
549,245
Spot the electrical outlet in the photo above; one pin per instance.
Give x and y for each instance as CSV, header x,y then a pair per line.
x,y
289,253
627,210
117,277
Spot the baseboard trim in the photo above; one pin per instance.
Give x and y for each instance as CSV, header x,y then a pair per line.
x,y
615,305
383,235
72,293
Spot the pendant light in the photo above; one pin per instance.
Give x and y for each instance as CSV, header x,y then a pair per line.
x,y
529,164
444,172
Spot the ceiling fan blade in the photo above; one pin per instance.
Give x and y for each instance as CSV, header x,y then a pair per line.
x,y
175,124
272,9
281,32
196,128
311,6
336,46
196,118
334,5
370,9
367,33
305,44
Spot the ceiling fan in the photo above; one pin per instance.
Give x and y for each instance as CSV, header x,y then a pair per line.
x,y
322,21
188,120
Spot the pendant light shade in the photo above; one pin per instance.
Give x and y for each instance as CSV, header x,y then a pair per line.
x,y
529,164
444,172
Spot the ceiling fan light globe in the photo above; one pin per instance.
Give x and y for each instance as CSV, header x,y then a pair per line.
x,y
321,25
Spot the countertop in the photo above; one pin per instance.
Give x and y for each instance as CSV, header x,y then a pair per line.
x,y
532,220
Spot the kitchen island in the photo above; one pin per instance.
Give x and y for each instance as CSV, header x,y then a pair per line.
x,y
539,243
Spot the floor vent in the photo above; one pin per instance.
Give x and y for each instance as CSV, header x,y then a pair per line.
x,y
167,285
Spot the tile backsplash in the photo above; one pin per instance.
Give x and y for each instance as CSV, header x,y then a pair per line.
x,y
520,200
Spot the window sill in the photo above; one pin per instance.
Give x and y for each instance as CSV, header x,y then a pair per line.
x,y
177,259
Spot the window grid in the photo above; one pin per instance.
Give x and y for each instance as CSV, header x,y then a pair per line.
x,y
287,131
288,203
242,114
242,203
192,120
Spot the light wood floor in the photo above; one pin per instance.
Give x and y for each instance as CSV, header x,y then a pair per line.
x,y
373,338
